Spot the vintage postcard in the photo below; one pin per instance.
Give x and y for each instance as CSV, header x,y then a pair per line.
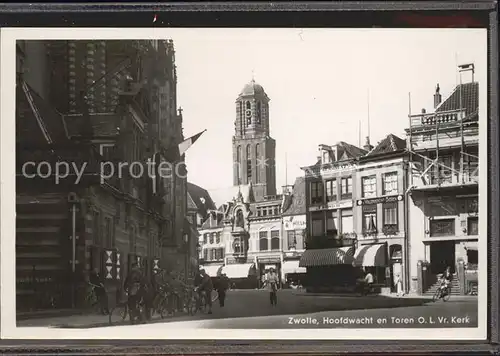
x,y
244,183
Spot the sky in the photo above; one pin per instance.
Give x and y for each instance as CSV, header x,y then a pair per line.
x,y
321,82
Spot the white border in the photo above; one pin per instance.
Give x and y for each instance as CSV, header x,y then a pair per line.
x,y
7,210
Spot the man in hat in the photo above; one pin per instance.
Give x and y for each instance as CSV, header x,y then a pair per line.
x,y
272,286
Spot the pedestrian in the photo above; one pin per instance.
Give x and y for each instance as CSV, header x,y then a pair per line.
x,y
222,287
206,288
102,297
399,285
134,286
272,285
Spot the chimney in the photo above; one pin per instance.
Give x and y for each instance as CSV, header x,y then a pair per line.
x,y
437,97
367,145
423,111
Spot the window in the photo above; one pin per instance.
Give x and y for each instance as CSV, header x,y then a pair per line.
x,y
369,186
317,224
472,226
108,239
237,247
238,164
219,253
346,188
442,227
347,222
472,257
212,254
276,210
217,238
205,239
292,240
316,192
369,219
259,211
96,229
257,157
331,223
275,240
390,183
331,190
263,242
390,218
205,254
211,238
259,112
441,172
326,157
249,164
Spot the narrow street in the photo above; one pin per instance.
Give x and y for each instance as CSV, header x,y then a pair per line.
x,y
251,309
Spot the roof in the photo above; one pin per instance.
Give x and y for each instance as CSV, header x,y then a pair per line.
x,y
346,152
214,220
298,203
103,125
199,199
252,88
470,99
390,144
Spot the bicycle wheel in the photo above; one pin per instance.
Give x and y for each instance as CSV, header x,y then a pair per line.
x,y
447,296
436,295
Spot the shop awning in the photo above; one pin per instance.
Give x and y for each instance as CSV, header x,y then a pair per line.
x,y
290,267
212,270
327,257
238,270
371,256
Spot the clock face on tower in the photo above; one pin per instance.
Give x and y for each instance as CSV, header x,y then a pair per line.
x,y
248,113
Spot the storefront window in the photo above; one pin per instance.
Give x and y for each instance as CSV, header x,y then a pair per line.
x,y
369,219
331,223
347,222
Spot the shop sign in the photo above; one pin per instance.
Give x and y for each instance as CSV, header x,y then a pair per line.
x,y
381,200
332,205
297,222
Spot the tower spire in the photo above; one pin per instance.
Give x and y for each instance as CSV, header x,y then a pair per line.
x,y
253,75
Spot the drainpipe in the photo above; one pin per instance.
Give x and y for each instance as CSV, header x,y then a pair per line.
x,y
406,255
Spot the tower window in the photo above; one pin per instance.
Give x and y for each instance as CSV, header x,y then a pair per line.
x,y
238,163
249,165
259,113
258,159
248,113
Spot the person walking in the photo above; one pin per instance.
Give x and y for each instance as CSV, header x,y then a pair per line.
x,y
399,285
206,287
102,297
272,285
222,287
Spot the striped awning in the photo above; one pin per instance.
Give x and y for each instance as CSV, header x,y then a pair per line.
x,y
327,257
238,270
371,256
290,267
212,270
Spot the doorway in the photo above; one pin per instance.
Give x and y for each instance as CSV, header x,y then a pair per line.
x,y
442,255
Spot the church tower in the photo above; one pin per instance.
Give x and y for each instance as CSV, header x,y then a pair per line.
x,y
254,151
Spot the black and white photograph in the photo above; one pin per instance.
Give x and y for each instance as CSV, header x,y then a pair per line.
x,y
247,183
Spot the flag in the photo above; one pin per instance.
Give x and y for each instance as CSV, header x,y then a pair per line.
x,y
173,154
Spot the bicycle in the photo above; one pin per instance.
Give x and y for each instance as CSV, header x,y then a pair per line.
x,y
443,292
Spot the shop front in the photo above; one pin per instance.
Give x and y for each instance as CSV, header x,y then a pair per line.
x,y
241,275
372,258
329,269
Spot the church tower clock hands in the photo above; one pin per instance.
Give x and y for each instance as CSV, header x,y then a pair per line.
x,y
254,151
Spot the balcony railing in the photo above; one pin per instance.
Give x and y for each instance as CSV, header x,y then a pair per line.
x,y
446,177
431,119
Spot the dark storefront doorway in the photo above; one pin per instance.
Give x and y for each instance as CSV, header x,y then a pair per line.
x,y
442,256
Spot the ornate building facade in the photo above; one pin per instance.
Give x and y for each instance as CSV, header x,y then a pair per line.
x,y
245,236
91,102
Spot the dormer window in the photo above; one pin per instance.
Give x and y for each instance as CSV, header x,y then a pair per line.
x,y
326,157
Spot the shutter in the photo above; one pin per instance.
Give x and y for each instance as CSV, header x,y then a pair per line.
x,y
118,265
108,260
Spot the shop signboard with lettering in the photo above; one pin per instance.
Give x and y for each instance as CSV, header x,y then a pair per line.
x,y
295,222
381,200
